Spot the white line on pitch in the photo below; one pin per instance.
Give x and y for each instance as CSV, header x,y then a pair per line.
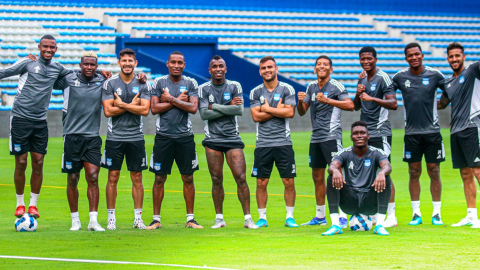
x,y
109,262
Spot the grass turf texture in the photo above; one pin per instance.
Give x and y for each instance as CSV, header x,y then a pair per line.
x,y
424,246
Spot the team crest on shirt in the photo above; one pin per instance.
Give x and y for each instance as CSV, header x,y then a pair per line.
x,y
262,99
226,96
407,83
276,97
373,87
461,79
77,82
211,99
426,81
17,147
109,162
98,83
254,171
157,166
118,91
135,90
325,94
183,89
368,162
68,165
408,155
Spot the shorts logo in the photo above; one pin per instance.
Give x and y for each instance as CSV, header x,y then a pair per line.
x,y
183,89
68,165
368,163
309,159
426,81
294,170
211,99
408,155
17,147
194,163
143,162
373,87
461,79
135,90
276,97
109,162
254,171
439,154
477,160
226,96
407,83
119,91
77,83
157,166
262,99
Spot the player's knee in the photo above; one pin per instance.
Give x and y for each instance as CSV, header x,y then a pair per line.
x,y
113,177
187,179
160,180
319,180
37,165
72,179
414,174
289,183
21,164
434,171
262,183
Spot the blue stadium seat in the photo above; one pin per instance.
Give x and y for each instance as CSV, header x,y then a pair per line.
x,y
317,31
274,43
425,20
441,33
453,27
88,27
12,18
94,41
31,11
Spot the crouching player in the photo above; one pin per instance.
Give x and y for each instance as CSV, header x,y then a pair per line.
x,y
360,190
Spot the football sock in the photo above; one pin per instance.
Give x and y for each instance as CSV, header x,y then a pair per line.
x,y
320,211
262,213
93,216
219,216
156,217
436,208
472,213
416,208
380,219
190,217
111,214
247,217
290,211
335,219
33,199
75,216
391,210
138,213
20,200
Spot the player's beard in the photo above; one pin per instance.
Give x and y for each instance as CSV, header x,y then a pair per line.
x,y
460,66
271,79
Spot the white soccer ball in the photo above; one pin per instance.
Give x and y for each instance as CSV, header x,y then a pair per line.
x,y
26,223
360,223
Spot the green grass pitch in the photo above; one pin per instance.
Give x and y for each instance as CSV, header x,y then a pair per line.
x,y
407,247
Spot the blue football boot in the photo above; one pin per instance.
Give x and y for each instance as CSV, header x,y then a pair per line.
x,y
380,230
290,222
262,223
316,221
333,230
416,220
436,220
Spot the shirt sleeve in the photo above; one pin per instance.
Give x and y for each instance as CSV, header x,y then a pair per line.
x,y
63,71
146,91
290,96
340,157
308,94
238,91
193,89
107,92
19,67
60,83
343,94
441,80
380,156
476,70
203,96
387,86
254,99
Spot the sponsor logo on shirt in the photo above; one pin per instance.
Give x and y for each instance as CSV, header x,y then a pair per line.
x,y
448,86
226,96
17,147
183,89
407,83
368,162
351,165
109,162
461,79
68,165
77,83
373,87
211,99
118,91
262,99
313,97
37,68
254,171
408,155
276,97
135,90
166,89
157,166
426,81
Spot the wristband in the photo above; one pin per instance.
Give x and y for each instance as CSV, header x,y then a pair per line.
x,y
171,99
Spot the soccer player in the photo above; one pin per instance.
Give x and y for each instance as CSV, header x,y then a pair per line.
x,y
462,90
365,186
221,101
418,85
125,100
374,97
174,98
271,104
328,98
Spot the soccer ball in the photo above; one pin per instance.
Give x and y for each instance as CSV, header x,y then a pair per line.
x,y
360,222
26,223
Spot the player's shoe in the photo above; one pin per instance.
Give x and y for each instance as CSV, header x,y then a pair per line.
x,y
316,221
33,211
380,230
20,211
416,220
467,221
343,222
219,223
94,226
436,220
333,230
154,225
476,225
290,222
193,224
249,224
112,224
390,222
262,223
138,224
76,225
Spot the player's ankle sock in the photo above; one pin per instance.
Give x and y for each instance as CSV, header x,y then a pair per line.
x,y
380,219
20,200
262,213
436,208
190,217
75,216
290,211
219,216
320,211
416,208
472,213
156,217
111,214
93,216
391,209
34,199
138,213
335,217
247,217
342,214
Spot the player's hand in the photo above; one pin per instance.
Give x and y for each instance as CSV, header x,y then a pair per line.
x,y
360,89
142,78
236,101
117,102
322,98
32,57
165,96
379,183
265,107
280,105
301,96
365,97
362,75
183,96
337,180
105,73
136,99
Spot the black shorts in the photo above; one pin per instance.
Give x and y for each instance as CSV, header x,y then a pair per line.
x,y
383,143
166,150
224,146
321,154
465,146
134,152
358,201
430,145
28,136
78,149
284,159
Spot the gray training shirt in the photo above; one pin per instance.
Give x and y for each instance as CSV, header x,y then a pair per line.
x,y
225,128
419,99
464,93
325,118
276,131
82,105
360,172
174,123
126,126
34,86
374,115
